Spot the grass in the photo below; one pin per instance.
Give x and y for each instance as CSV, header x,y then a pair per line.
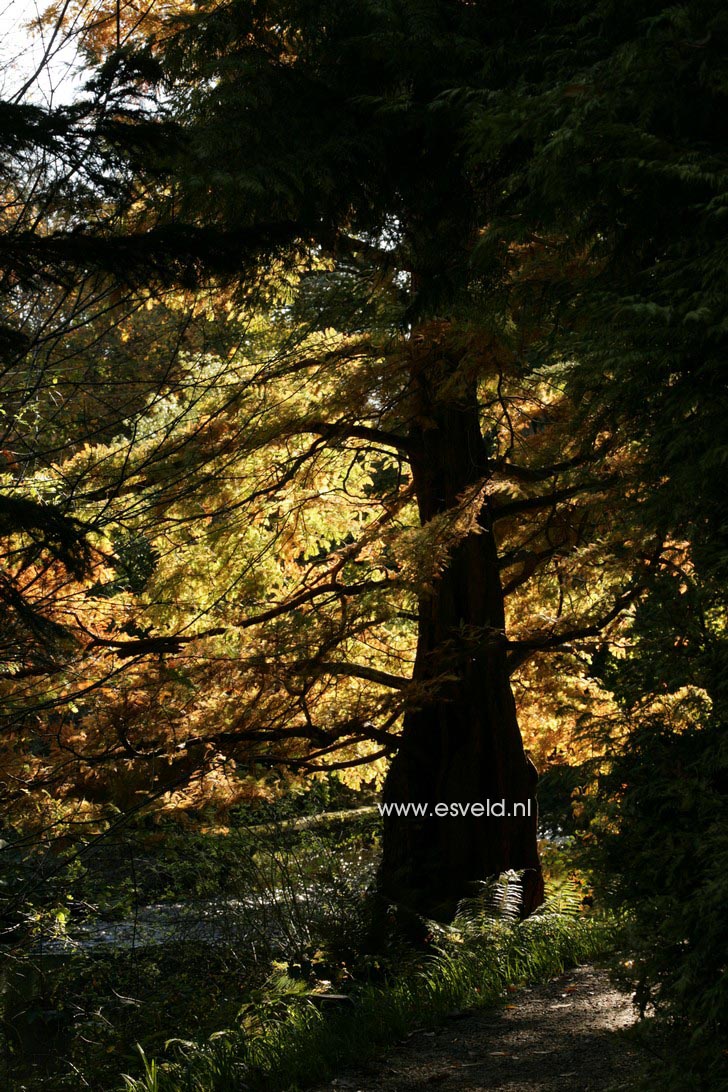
x,y
471,965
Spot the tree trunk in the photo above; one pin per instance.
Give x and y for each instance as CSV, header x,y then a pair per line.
x,y
462,745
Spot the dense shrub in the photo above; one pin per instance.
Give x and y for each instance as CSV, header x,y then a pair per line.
x,y
663,852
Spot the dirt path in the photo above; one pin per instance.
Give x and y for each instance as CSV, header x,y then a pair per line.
x,y
560,1037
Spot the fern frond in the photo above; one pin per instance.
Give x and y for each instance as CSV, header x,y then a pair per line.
x,y
496,900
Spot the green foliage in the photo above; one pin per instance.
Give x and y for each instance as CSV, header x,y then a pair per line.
x,y
135,560
112,951
662,850
615,138
473,965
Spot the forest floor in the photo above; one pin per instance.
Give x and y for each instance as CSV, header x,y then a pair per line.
x,y
564,1036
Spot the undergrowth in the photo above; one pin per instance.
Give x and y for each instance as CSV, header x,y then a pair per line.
x,y
470,964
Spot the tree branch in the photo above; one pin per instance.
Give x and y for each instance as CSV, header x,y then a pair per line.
x,y
332,587
362,671
549,500
523,650
330,429
542,474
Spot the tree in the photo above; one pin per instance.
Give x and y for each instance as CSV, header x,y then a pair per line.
x,y
331,132
391,377
616,136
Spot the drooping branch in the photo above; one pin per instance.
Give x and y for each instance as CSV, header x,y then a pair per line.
x,y
345,430
344,764
357,248
522,650
363,671
530,561
549,500
61,534
145,646
332,587
543,473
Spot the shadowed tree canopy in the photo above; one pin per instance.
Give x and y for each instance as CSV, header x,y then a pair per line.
x,y
363,410
317,161
615,132
338,128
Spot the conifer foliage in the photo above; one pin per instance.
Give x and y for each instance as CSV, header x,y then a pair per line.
x,y
364,363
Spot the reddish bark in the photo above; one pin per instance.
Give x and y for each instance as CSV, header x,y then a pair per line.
x,y
464,745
